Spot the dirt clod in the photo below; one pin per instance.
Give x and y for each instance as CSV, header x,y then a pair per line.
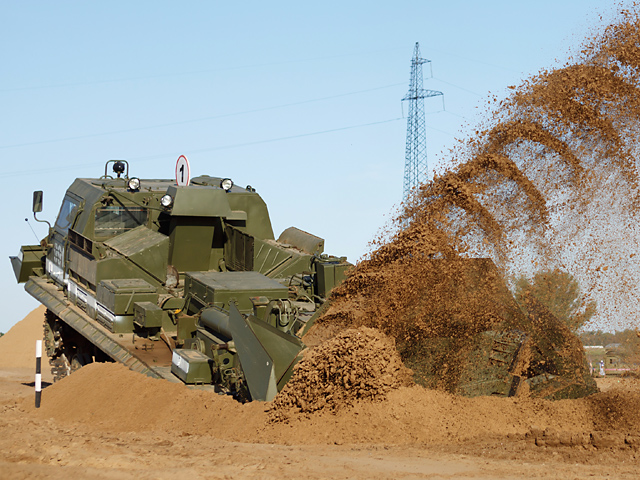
x,y
357,364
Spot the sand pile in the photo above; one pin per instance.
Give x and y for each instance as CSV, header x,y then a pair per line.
x,y
357,364
111,398
18,345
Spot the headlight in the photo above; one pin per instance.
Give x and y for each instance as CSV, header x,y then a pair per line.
x,y
134,184
226,184
166,201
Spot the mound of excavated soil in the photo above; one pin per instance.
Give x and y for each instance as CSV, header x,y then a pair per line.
x,y
111,398
357,364
329,400
18,345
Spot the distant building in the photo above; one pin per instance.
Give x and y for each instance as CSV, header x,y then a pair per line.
x,y
613,359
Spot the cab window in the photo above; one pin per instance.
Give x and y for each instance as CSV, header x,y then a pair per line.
x,y
67,215
114,220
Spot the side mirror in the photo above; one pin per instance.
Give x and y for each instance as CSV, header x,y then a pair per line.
x,y
37,201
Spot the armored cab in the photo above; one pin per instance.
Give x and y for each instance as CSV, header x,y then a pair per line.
x,y
180,282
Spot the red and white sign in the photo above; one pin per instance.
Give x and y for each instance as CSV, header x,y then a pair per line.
x,y
182,171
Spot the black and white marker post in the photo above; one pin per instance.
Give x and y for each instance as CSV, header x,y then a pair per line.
x,y
38,374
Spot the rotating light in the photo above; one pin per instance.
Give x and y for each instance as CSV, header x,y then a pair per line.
x,y
118,168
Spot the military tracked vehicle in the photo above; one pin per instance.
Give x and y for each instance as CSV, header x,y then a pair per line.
x,y
186,283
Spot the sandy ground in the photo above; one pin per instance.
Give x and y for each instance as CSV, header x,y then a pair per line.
x,y
105,421
37,447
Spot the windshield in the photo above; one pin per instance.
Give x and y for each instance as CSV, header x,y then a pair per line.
x,y
114,220
67,215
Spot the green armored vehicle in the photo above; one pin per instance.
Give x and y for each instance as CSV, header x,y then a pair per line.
x,y
177,282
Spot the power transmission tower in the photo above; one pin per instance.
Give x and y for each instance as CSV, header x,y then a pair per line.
x,y
415,164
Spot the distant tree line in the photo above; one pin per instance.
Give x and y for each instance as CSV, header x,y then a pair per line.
x,y
598,337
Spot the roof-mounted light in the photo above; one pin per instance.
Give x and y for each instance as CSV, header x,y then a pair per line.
x,y
134,184
166,201
118,168
226,184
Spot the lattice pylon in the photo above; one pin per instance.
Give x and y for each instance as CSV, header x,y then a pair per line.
x,y
415,166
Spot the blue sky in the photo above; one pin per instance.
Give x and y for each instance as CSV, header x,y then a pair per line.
x,y
300,100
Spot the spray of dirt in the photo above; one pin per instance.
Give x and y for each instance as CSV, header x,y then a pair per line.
x,y
550,182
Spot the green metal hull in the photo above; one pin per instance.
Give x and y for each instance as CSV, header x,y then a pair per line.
x,y
109,343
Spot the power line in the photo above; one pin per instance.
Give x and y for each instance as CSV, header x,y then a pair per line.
x,y
195,72
459,87
440,131
210,149
196,120
476,61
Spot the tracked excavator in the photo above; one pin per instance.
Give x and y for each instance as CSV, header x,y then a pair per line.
x,y
177,280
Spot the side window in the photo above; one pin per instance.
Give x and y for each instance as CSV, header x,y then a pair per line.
x,y
114,220
67,215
